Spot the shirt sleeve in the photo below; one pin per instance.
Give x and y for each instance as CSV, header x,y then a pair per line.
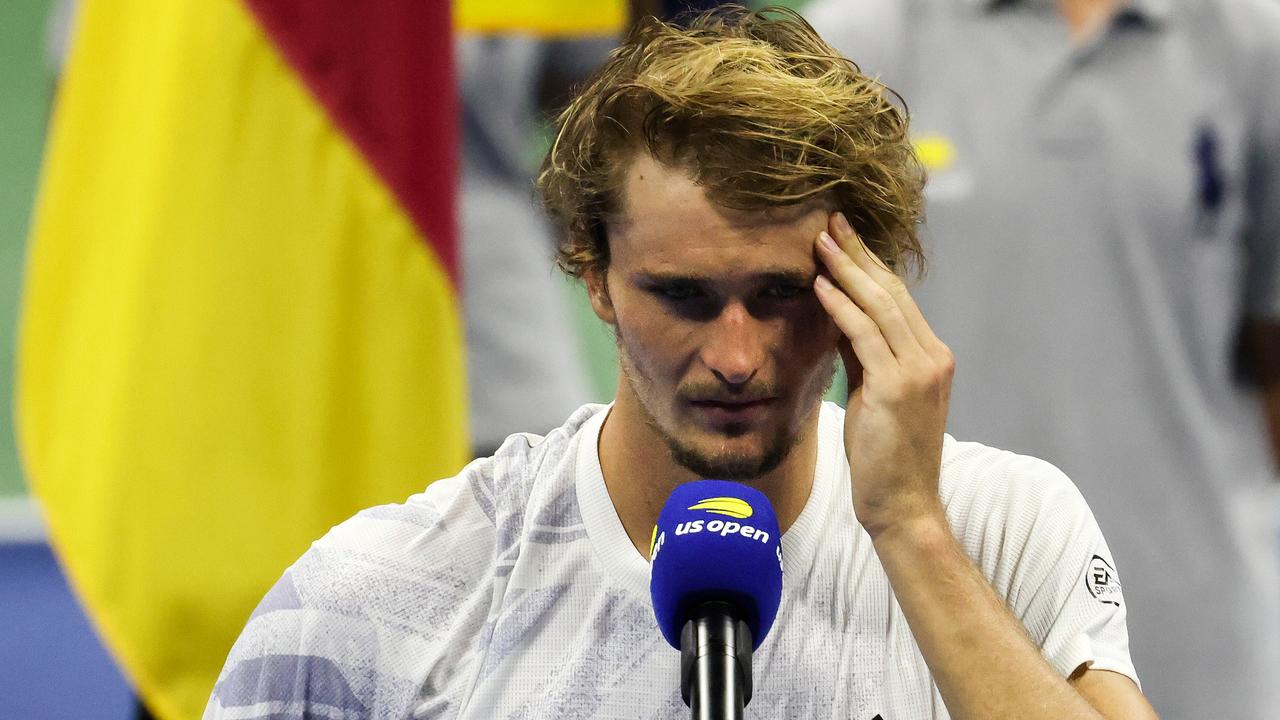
x,y
1031,533
368,617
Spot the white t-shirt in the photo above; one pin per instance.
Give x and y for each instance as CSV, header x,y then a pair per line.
x,y
512,591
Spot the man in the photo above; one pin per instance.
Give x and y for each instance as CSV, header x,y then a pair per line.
x,y
703,179
1104,225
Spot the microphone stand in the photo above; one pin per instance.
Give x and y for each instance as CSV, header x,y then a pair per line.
x,y
715,662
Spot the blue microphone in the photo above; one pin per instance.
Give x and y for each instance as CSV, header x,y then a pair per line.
x,y
716,583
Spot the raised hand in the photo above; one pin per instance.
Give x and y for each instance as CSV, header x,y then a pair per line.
x,y
899,380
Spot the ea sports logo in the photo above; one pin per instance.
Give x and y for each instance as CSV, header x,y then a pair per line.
x,y
1101,581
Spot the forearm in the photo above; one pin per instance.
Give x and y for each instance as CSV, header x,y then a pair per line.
x,y
984,664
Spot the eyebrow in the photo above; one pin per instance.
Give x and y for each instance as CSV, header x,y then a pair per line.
x,y
792,276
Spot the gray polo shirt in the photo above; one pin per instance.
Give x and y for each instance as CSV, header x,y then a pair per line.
x,y
1102,216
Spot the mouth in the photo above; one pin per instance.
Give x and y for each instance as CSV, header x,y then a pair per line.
x,y
732,411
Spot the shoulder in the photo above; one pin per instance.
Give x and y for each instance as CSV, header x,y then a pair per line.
x,y
983,488
1254,27
360,619
996,499
1031,533
445,537
1253,23
1238,39
395,597
450,534
972,469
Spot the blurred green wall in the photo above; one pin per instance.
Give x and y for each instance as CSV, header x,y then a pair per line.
x,y
25,84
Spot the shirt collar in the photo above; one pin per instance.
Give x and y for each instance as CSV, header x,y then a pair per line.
x,y
1153,11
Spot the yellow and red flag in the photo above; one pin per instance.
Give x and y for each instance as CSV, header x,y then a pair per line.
x,y
241,317
541,17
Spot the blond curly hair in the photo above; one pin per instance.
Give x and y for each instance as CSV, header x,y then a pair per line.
x,y
762,113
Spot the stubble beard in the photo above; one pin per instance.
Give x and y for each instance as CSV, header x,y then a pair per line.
x,y
730,465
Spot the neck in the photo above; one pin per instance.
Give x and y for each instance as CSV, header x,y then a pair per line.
x,y
640,471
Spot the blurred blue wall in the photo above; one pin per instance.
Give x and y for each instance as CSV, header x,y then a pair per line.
x,y
52,666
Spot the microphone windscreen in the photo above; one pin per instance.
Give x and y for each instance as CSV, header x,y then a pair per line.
x,y
716,540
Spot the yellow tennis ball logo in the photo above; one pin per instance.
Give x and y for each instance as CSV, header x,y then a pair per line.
x,y
730,506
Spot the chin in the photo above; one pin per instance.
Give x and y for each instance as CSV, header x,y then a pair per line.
x,y
746,462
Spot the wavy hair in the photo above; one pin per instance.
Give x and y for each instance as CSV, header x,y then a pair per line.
x,y
761,112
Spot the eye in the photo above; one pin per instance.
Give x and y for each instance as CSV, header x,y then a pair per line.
x,y
784,291
675,292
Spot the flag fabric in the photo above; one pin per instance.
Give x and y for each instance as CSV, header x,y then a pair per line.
x,y
541,17
240,320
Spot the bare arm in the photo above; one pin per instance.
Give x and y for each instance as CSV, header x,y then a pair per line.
x,y
984,664
980,656
1113,695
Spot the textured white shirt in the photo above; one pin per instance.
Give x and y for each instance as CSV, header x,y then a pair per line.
x,y
512,591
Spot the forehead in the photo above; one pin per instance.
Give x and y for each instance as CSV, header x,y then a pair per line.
x,y
668,224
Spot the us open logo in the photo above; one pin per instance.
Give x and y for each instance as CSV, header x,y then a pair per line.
x,y
1101,581
728,506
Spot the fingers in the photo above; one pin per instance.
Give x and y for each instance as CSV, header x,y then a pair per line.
x,y
863,257
864,335
871,298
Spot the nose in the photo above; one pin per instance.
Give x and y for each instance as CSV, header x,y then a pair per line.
x,y
735,347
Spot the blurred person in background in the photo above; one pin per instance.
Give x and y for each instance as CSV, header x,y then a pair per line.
x,y
1103,220
525,371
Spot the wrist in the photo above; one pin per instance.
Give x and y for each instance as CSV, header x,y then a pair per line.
x,y
925,526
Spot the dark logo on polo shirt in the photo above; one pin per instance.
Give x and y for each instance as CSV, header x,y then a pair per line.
x,y
1211,183
1101,581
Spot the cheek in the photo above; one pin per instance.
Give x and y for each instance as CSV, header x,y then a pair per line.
x,y
654,348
